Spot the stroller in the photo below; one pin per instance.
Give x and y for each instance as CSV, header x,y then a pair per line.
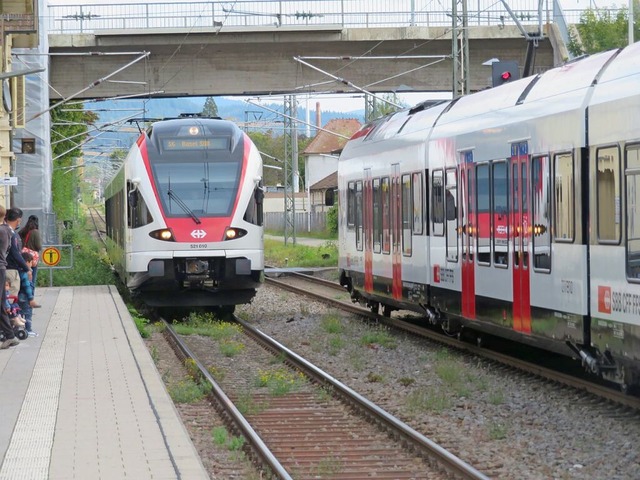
x,y
12,309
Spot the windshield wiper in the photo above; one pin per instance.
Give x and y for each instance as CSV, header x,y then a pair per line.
x,y
183,205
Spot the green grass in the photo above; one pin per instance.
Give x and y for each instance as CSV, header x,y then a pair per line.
x,y
305,234
90,266
278,254
188,391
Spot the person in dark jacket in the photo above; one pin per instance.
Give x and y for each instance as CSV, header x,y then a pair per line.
x,y
5,325
15,262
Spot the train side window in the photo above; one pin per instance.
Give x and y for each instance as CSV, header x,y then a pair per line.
x,y
377,216
137,213
351,205
632,174
451,209
608,195
416,189
386,215
563,198
407,215
358,213
483,215
500,213
437,203
541,205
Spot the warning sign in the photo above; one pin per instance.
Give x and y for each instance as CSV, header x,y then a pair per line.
x,y
51,256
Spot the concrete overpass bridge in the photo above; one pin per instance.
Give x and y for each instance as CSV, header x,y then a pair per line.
x,y
258,48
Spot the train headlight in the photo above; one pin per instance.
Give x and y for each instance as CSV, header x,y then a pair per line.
x,y
163,234
233,233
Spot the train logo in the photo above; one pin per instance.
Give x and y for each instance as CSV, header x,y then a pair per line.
x,y
198,234
604,299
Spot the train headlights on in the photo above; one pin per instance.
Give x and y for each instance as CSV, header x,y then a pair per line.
x,y
539,230
196,267
163,234
233,233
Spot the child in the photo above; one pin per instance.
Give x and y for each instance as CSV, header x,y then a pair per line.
x,y
11,307
25,296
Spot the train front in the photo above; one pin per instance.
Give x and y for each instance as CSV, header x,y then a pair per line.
x,y
195,215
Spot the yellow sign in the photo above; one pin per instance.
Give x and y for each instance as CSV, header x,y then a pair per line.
x,y
51,256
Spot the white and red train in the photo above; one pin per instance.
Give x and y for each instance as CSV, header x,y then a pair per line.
x,y
184,215
513,211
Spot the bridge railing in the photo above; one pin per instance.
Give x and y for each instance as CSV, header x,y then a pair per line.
x,y
254,14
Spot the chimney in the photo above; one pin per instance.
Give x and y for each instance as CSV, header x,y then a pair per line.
x,y
318,116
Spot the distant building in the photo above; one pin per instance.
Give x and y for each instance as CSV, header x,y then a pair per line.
x,y
321,159
319,192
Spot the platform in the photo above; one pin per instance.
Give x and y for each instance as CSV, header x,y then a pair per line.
x,y
84,400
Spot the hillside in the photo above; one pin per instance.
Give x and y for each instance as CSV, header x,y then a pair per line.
x,y
239,111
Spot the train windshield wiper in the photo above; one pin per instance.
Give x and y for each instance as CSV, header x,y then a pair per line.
x,y
173,195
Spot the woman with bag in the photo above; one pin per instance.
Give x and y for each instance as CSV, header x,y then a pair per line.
x,y
32,243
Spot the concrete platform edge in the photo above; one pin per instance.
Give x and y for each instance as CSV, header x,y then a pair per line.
x,y
175,434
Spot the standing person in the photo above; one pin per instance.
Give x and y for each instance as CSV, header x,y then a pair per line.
x,y
5,241
31,239
25,297
15,262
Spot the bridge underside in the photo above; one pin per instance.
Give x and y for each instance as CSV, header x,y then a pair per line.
x,y
196,63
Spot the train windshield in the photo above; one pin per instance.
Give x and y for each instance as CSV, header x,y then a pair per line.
x,y
195,189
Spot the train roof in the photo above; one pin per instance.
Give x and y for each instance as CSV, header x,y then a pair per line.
x,y
566,89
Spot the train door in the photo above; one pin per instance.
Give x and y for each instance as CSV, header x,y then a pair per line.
x,y
368,231
520,222
396,229
467,217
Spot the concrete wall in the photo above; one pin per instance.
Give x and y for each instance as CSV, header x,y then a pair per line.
x,y
202,63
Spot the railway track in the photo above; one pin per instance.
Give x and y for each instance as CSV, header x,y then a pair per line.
x,y
337,296
318,429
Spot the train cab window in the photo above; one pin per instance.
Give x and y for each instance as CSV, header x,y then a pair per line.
x,y
377,216
351,205
416,189
407,215
563,198
608,195
500,213
632,175
386,215
359,216
451,211
483,215
437,203
541,206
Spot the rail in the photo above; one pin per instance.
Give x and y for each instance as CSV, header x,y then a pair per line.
x,y
256,14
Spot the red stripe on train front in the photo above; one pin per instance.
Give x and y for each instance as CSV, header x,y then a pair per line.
x,y
211,229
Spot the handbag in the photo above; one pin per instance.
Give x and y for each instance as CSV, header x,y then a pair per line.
x,y
34,254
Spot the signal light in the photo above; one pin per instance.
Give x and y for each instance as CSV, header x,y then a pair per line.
x,y
504,72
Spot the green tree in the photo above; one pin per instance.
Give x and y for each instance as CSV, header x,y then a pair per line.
x,y
68,132
382,107
210,109
602,29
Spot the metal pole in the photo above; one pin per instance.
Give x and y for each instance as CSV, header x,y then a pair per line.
x,y
631,22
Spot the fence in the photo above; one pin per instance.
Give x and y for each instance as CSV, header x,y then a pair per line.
x,y
305,222
253,14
